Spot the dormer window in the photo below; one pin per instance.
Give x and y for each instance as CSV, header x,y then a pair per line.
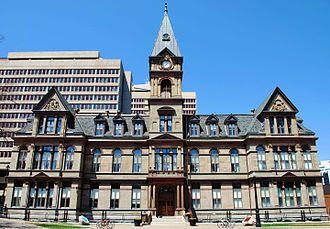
x,y
99,130
231,125
231,129
213,129
138,129
280,125
118,129
50,125
193,129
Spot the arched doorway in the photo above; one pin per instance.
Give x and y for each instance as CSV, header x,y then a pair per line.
x,y
166,201
165,88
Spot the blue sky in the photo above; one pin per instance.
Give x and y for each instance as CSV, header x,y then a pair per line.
x,y
235,52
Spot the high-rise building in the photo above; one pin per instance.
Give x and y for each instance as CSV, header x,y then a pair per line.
x,y
141,95
219,165
89,83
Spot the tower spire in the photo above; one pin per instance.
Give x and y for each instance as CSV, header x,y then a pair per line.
x,y
165,8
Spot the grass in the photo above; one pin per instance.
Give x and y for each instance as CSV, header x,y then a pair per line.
x,y
57,225
292,225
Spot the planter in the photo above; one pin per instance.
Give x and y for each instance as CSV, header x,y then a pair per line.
x,y
193,221
137,222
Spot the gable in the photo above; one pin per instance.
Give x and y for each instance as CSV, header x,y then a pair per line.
x,y
278,104
41,175
53,104
165,137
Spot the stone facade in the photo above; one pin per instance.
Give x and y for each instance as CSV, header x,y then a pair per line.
x,y
166,162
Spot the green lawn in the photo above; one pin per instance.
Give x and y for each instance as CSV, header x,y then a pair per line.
x,y
57,225
292,225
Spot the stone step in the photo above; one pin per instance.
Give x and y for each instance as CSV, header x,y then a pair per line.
x,y
173,220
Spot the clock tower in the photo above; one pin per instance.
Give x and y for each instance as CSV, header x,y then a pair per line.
x,y
165,72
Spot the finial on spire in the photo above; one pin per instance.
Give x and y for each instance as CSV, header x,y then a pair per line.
x,y
165,7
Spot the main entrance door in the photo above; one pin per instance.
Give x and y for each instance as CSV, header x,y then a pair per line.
x,y
166,201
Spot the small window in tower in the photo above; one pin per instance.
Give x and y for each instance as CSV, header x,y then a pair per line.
x,y
166,37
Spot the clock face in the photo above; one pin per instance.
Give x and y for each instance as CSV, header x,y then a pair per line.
x,y
166,64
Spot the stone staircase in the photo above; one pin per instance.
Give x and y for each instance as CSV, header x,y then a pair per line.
x,y
168,220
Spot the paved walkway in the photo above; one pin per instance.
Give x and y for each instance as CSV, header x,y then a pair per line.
x,y
13,223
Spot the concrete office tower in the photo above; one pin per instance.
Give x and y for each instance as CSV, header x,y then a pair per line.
x,y
141,94
89,83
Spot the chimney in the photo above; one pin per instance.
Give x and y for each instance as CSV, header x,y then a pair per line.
x,y
252,111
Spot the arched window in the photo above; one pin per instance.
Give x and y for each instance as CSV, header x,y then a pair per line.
x,y
137,156
96,167
215,161
22,156
234,160
165,88
69,158
194,161
116,161
307,157
261,158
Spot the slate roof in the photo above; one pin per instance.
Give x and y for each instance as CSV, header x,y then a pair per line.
x,y
162,43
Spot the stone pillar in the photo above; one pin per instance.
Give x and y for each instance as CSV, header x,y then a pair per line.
x,y
182,196
273,194
286,128
304,194
179,158
154,196
35,125
9,194
275,126
177,196
74,195
294,126
270,157
56,194
60,157
126,192
149,196
299,157
104,196
267,126
30,156
152,157
25,194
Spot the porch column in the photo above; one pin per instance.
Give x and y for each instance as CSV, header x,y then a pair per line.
x,y
182,196
25,194
56,194
154,196
177,196
149,196
30,156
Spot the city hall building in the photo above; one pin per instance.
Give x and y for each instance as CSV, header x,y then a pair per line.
x,y
165,162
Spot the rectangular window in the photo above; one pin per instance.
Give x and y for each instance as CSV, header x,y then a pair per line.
x,y
37,160
280,125
59,125
307,160
41,197
41,125
216,194
215,163
261,159
288,194
17,195
237,194
193,129
312,193
114,202
99,129
22,160
234,162
265,196
96,167
289,125
271,123
66,194
280,195
213,129
118,129
116,162
196,197
32,197
50,125
94,197
165,123
136,196
285,164
138,129
298,194
232,129
46,157
50,197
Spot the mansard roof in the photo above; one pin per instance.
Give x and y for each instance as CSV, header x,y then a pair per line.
x,y
231,119
166,39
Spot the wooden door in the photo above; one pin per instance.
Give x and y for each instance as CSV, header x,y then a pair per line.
x,y
166,205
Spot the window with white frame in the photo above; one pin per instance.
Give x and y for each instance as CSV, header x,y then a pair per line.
x,y
307,158
196,196
216,194
261,154
237,194
116,162
234,158
66,195
280,125
114,201
17,195
68,165
213,129
118,129
232,129
137,161
271,123
22,157
94,196
215,161
285,157
193,129
136,196
312,196
96,167
264,192
165,123
194,161
138,129
99,129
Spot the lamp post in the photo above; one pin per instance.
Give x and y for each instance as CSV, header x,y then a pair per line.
x,y
258,223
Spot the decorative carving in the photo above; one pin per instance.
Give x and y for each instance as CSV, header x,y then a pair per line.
x,y
278,105
166,58
53,105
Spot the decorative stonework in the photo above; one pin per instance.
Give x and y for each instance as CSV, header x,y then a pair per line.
x,y
166,58
278,105
53,105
